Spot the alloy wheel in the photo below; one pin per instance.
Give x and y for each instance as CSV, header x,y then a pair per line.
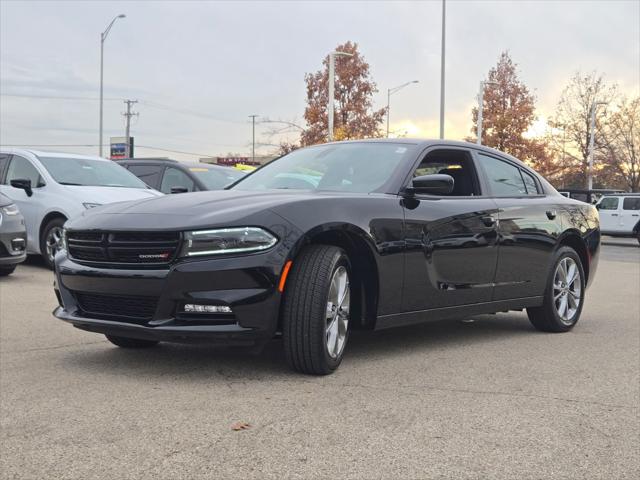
x,y
53,242
337,316
567,290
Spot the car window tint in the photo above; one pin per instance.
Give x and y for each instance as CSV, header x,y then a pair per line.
x,y
3,163
455,163
149,174
175,178
22,168
530,183
504,178
631,203
609,203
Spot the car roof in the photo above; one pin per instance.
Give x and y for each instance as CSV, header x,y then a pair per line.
x,y
42,153
432,142
622,194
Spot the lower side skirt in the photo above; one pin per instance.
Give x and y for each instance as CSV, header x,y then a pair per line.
x,y
460,311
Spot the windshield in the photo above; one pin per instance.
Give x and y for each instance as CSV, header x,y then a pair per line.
x,y
87,172
346,167
216,178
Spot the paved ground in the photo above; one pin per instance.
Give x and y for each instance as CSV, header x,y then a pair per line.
x,y
487,399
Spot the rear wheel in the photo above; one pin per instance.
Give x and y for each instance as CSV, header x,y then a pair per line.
x,y
51,240
7,270
316,310
564,295
125,342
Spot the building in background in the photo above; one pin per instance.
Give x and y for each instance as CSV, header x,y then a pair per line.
x,y
238,160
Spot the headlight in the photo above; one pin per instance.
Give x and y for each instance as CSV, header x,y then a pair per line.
x,y
10,210
227,240
91,205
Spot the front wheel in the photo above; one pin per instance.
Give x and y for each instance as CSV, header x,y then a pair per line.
x,y
51,240
316,310
564,295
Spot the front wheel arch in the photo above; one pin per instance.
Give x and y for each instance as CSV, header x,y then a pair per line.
x,y
47,218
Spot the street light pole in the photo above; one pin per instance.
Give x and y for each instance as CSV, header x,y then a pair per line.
x,y
391,91
483,85
592,125
444,9
332,69
103,37
253,136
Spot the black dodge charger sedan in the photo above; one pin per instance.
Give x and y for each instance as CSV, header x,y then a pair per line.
x,y
341,236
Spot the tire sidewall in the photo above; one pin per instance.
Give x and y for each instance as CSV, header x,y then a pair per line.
x,y
562,253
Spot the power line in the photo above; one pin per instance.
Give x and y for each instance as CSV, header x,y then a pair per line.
x,y
147,147
54,97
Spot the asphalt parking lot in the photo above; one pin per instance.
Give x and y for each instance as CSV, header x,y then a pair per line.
x,y
491,398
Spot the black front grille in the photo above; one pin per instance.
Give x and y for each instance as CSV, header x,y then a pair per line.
x,y
136,248
136,307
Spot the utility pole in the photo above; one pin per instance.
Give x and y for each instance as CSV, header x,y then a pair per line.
x,y
332,79
444,9
594,107
253,138
127,135
483,85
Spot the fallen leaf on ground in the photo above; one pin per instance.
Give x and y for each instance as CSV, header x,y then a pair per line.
x,y
240,426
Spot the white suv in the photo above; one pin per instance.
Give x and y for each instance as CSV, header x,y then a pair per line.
x,y
50,188
620,215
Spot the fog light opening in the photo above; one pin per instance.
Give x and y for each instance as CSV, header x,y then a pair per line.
x,y
196,308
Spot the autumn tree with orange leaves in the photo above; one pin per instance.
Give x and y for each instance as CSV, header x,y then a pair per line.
x,y
354,117
508,113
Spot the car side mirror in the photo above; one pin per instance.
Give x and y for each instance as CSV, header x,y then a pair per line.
x,y
598,206
24,184
179,189
435,184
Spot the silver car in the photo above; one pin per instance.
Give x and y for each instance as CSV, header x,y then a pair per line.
x,y
13,237
49,188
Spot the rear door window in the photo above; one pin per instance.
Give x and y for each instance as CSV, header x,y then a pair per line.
x,y
631,203
504,179
530,183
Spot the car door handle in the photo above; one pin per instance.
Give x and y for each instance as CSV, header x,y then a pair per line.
x,y
551,214
635,215
614,214
489,221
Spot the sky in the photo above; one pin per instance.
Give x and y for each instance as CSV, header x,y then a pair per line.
x,y
200,68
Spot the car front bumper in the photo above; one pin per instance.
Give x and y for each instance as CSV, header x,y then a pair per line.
x,y
13,240
110,301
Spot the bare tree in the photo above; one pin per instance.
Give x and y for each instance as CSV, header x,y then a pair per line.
x,y
573,118
622,143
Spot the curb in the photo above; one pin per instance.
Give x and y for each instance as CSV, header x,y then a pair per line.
x,y
619,244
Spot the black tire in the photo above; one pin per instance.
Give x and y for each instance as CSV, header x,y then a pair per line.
x,y
55,223
125,342
304,312
546,317
7,270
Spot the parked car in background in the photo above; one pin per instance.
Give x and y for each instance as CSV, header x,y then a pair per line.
x,y
13,236
587,196
171,176
50,187
327,239
620,215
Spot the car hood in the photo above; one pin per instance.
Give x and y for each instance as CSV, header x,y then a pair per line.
x,y
191,210
104,195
